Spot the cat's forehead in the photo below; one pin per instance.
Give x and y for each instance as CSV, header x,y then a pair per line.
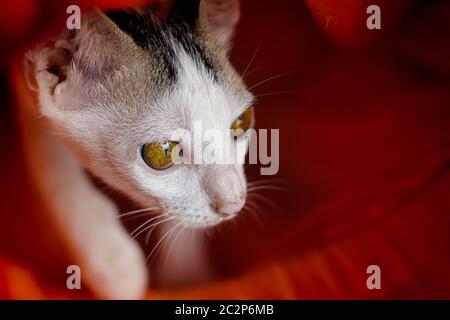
x,y
196,98
163,40
182,76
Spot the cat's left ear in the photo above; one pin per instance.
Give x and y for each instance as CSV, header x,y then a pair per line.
x,y
219,18
82,58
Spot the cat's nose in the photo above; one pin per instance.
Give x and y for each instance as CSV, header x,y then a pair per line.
x,y
231,206
225,188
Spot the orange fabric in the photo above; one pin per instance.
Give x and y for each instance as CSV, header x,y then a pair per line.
x,y
365,148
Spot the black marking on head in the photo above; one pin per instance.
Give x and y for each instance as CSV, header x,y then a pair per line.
x,y
160,37
187,10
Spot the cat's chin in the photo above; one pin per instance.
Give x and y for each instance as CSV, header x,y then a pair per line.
x,y
205,222
199,217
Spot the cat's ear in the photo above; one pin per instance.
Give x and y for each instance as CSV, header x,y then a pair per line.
x,y
88,54
219,19
46,66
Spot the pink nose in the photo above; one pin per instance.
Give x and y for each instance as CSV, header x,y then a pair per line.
x,y
225,188
230,207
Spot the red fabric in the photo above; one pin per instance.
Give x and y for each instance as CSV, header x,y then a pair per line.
x,y
365,147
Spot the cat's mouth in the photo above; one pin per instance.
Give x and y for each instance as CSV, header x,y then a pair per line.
x,y
204,221
201,219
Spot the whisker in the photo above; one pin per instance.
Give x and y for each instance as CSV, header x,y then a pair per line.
x,y
255,206
250,72
180,231
148,235
244,74
254,214
262,187
274,93
263,198
129,213
272,78
151,226
144,223
162,239
140,215
266,181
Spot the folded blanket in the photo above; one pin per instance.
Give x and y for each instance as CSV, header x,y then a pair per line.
x,y
365,148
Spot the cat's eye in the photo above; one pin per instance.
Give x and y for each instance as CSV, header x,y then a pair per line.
x,y
242,123
161,156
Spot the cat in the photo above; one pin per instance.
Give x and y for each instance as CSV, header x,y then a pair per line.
x,y
109,94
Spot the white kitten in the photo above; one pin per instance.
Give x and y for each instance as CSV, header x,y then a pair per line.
x,y
114,92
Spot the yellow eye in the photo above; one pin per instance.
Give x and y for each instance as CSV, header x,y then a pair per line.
x,y
243,122
161,156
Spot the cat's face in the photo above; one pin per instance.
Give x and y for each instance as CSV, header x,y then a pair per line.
x,y
122,95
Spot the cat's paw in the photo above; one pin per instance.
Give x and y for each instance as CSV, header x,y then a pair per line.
x,y
114,266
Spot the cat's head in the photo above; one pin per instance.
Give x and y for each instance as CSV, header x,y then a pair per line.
x,y
118,88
